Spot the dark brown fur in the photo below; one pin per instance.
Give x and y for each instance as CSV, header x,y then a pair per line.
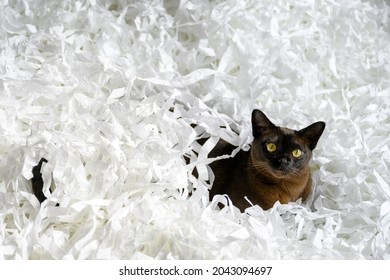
x,y
262,178
37,181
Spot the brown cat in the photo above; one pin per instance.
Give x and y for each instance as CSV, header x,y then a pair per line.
x,y
274,169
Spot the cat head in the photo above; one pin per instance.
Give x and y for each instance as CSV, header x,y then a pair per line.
x,y
281,151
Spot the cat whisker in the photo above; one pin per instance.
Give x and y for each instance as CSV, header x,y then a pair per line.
x,y
263,168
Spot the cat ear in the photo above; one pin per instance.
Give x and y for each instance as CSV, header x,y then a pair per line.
x,y
312,133
260,123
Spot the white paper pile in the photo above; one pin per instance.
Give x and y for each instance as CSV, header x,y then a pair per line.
x,y
107,91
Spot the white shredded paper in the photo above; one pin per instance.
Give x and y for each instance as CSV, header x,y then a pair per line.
x,y
107,91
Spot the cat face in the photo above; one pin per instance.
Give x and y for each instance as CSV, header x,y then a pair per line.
x,y
281,151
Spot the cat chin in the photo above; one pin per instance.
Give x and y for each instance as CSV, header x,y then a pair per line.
x,y
277,174
283,174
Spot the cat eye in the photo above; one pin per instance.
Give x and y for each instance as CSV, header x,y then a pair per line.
x,y
297,153
271,147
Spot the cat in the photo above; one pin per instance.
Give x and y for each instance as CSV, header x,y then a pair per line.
x,y
275,168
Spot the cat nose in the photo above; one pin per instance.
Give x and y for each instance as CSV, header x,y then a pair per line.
x,y
286,160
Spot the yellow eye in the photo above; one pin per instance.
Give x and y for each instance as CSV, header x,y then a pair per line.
x,y
297,153
271,147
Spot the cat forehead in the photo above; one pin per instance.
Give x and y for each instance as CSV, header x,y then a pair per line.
x,y
286,131
282,134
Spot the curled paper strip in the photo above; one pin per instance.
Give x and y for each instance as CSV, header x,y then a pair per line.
x,y
115,94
